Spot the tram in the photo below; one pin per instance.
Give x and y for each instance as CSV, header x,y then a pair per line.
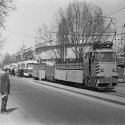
x,y
98,69
28,68
101,69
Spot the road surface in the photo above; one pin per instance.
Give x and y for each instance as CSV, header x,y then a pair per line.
x,y
33,104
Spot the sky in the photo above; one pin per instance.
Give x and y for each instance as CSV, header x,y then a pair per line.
x,y
31,14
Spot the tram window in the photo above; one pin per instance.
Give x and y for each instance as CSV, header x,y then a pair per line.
x,y
87,55
92,56
97,57
30,65
107,57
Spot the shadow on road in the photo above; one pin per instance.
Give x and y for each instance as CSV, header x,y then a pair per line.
x,y
11,109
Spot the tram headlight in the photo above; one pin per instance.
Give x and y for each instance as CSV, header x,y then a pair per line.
x,y
114,70
102,70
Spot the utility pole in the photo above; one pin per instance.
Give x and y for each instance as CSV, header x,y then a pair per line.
x,y
124,42
123,38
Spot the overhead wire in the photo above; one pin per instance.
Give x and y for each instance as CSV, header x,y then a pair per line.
x,y
115,11
22,34
28,35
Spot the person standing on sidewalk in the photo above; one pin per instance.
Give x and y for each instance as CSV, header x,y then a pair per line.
x,y
4,90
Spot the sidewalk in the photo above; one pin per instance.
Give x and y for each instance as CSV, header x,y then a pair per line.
x,y
13,117
97,95
16,115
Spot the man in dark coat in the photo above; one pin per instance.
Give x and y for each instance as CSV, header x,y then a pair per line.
x,y
4,90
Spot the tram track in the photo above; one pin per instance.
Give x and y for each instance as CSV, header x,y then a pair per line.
x,y
117,92
120,92
116,96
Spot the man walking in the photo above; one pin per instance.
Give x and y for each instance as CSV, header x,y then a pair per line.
x,y
4,90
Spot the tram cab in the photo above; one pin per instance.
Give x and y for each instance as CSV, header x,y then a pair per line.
x,y
101,67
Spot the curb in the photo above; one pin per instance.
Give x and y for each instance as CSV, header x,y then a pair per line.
x,y
101,96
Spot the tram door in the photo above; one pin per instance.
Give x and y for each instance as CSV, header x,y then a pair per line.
x,y
88,68
91,61
90,64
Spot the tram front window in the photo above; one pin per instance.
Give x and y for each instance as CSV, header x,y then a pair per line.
x,y
107,56
30,65
96,57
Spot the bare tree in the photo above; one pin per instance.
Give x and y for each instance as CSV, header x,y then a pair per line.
x,y
6,60
6,6
47,37
80,23
22,48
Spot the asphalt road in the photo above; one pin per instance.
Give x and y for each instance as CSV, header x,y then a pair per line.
x,y
51,106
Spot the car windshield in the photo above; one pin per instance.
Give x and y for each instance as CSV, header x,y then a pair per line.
x,y
108,56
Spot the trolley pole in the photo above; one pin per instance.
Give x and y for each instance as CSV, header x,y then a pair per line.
x,y
124,49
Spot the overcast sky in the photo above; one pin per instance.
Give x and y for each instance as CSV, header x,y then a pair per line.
x,y
31,14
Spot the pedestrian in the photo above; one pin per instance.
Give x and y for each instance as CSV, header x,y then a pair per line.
x,y
13,72
21,72
4,90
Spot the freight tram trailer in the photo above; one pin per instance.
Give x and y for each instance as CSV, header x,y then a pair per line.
x,y
98,69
